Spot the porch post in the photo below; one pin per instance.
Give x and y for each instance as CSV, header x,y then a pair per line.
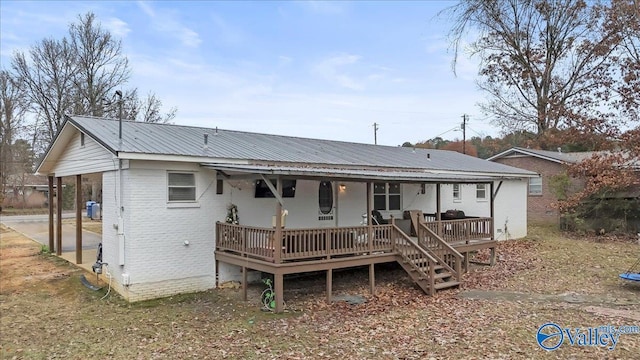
x,y
492,257
369,222
372,279
59,216
78,219
438,210
51,198
279,278
492,209
277,251
329,285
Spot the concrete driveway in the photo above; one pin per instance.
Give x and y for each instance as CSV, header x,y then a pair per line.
x,y
37,228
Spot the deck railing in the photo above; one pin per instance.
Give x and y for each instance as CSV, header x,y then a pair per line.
x,y
462,230
415,256
245,240
300,244
446,255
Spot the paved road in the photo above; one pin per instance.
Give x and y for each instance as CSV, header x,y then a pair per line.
x,y
37,228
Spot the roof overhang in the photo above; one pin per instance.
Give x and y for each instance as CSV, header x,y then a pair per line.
x,y
57,147
352,174
524,152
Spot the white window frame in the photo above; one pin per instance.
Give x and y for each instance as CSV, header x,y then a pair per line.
x,y
194,186
457,189
481,188
387,194
538,185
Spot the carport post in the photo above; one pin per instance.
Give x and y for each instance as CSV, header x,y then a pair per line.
x,y
51,198
78,219
59,216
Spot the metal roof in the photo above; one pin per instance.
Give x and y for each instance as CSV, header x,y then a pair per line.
x,y
238,146
555,156
349,173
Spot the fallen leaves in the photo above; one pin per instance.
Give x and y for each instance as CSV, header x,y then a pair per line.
x,y
61,319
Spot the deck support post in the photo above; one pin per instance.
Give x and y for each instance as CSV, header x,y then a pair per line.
x,y
51,231
59,216
329,285
492,258
372,279
78,219
466,261
279,288
244,283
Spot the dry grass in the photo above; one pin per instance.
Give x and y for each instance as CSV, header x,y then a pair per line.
x,y
46,313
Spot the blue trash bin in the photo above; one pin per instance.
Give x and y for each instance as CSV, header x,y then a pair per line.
x,y
89,206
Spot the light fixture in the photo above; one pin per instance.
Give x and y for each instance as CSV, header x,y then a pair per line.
x,y
342,187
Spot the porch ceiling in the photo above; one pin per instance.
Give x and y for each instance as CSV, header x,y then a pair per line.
x,y
380,174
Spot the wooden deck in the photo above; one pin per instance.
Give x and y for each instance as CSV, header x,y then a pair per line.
x,y
435,258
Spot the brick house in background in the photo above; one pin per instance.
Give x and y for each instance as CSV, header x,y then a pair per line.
x,y
547,164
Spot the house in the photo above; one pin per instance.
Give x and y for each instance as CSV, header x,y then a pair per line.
x,y
25,191
186,208
549,165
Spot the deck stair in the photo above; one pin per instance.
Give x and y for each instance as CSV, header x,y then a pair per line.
x,y
429,260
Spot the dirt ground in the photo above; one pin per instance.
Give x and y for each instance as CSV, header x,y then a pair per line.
x,y
45,313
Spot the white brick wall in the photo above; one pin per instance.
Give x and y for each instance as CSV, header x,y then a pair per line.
x,y
160,264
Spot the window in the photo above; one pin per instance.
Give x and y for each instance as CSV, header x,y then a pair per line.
x,y
535,186
325,197
457,195
81,139
386,196
481,191
182,186
263,191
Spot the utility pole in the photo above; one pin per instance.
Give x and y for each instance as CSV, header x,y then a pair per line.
x,y
375,133
464,133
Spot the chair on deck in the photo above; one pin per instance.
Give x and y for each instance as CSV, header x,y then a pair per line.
x,y
377,218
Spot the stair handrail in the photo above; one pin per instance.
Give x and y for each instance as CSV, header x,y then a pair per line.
x,y
430,259
450,250
406,237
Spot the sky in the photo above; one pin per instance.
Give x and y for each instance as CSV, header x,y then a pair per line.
x,y
326,70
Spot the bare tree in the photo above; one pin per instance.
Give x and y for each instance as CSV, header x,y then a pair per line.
x,y
545,64
47,74
147,109
101,68
13,105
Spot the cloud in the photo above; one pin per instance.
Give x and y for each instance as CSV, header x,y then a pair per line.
x,y
116,27
332,69
167,23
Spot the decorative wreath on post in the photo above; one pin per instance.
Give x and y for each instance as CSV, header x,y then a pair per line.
x,y
232,214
